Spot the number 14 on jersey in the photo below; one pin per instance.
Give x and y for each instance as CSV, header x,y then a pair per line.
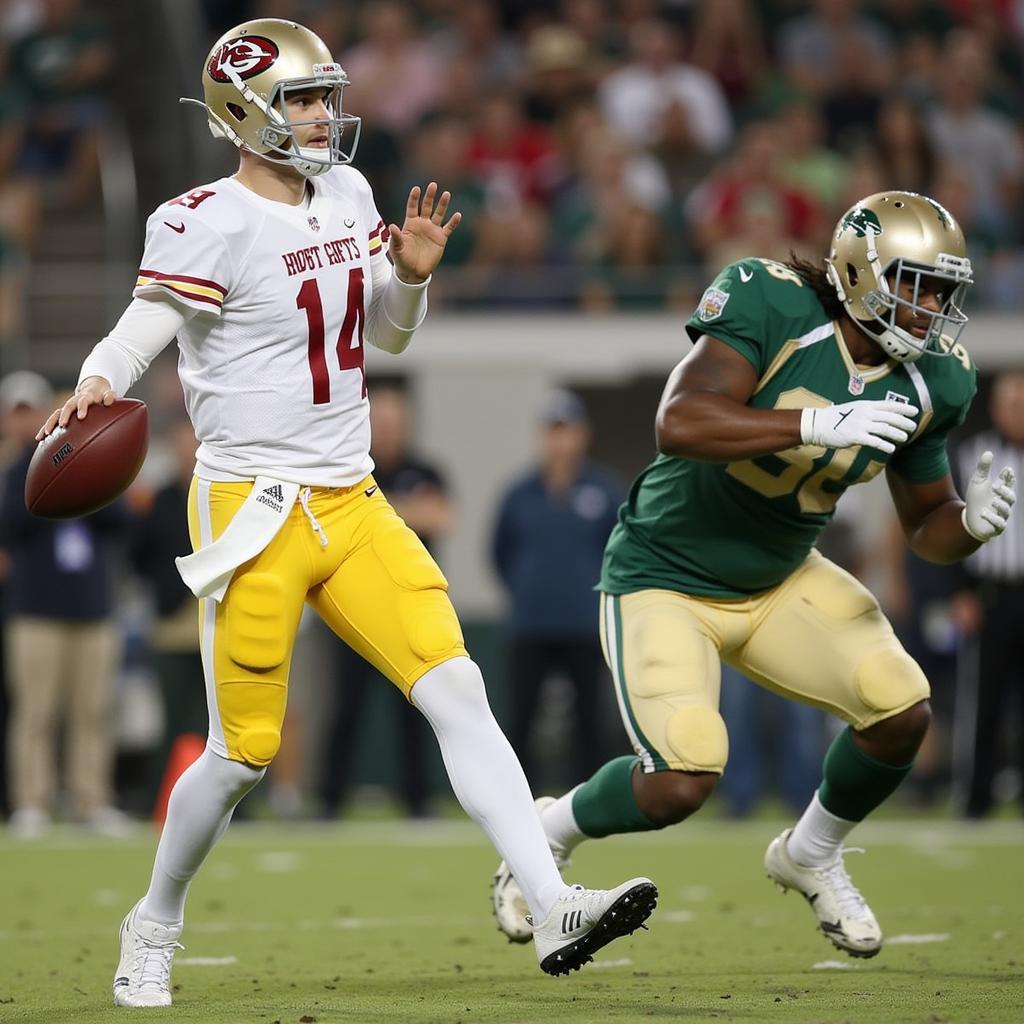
x,y
350,337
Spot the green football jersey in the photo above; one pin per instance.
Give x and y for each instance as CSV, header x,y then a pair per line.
x,y
734,529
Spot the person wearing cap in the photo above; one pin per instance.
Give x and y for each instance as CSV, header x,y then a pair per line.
x,y
547,544
61,644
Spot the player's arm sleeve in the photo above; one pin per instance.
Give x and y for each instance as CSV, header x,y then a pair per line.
x,y
192,266
734,310
146,327
396,309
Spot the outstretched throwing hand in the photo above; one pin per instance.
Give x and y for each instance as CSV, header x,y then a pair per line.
x,y
418,246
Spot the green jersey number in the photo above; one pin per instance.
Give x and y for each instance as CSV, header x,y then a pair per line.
x,y
815,490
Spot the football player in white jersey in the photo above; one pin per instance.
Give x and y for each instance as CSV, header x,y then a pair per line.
x,y
271,280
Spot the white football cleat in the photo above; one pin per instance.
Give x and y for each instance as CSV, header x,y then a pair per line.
x,y
584,920
143,975
510,908
843,916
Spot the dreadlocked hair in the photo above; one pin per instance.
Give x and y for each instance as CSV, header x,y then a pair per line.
x,y
817,280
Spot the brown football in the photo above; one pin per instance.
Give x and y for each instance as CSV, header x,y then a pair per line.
x,y
87,464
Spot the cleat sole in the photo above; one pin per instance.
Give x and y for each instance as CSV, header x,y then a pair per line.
x,y
623,917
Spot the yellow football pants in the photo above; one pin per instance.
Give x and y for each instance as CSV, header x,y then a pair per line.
x,y
374,584
819,637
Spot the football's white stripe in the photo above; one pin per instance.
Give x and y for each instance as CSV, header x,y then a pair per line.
x,y
206,636
612,638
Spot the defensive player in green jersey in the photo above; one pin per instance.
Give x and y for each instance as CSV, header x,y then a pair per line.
x,y
802,381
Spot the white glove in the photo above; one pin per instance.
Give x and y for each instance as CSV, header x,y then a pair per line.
x,y
873,423
989,501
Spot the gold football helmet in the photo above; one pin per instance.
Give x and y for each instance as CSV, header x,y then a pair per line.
x,y
247,79
886,241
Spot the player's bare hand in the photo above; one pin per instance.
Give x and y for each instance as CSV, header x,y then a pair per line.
x,y
418,246
93,391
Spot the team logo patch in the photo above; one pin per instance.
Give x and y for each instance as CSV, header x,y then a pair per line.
x,y
314,223
856,384
859,219
712,302
246,56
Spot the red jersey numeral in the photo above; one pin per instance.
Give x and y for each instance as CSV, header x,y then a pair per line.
x,y
193,199
350,337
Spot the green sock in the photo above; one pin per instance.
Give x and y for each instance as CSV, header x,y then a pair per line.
x,y
853,783
604,805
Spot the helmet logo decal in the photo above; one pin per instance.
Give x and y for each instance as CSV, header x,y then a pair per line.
x,y
860,218
246,56
940,212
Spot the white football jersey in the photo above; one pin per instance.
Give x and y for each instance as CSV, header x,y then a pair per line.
x,y
272,365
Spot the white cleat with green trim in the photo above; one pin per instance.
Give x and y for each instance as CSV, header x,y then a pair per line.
x,y
843,916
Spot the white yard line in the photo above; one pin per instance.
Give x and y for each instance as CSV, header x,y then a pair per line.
x,y
205,961
624,962
916,940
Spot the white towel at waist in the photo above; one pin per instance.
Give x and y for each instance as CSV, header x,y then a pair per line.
x,y
208,571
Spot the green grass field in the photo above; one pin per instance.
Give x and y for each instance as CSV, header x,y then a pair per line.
x,y
375,922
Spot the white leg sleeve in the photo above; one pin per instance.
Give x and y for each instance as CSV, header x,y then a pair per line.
x,y
198,812
487,777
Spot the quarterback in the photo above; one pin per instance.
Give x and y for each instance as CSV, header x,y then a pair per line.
x,y
272,280
803,380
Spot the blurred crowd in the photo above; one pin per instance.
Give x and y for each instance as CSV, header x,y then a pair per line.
x,y
605,153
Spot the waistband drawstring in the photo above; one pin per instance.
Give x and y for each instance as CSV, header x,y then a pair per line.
x,y
304,496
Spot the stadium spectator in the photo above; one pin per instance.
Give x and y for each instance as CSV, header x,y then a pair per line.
x,y
854,96
811,47
638,98
417,491
908,20
728,43
513,157
58,66
558,73
159,534
988,608
547,544
603,175
474,35
904,147
807,163
437,151
395,73
748,206
61,643
963,128
591,20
